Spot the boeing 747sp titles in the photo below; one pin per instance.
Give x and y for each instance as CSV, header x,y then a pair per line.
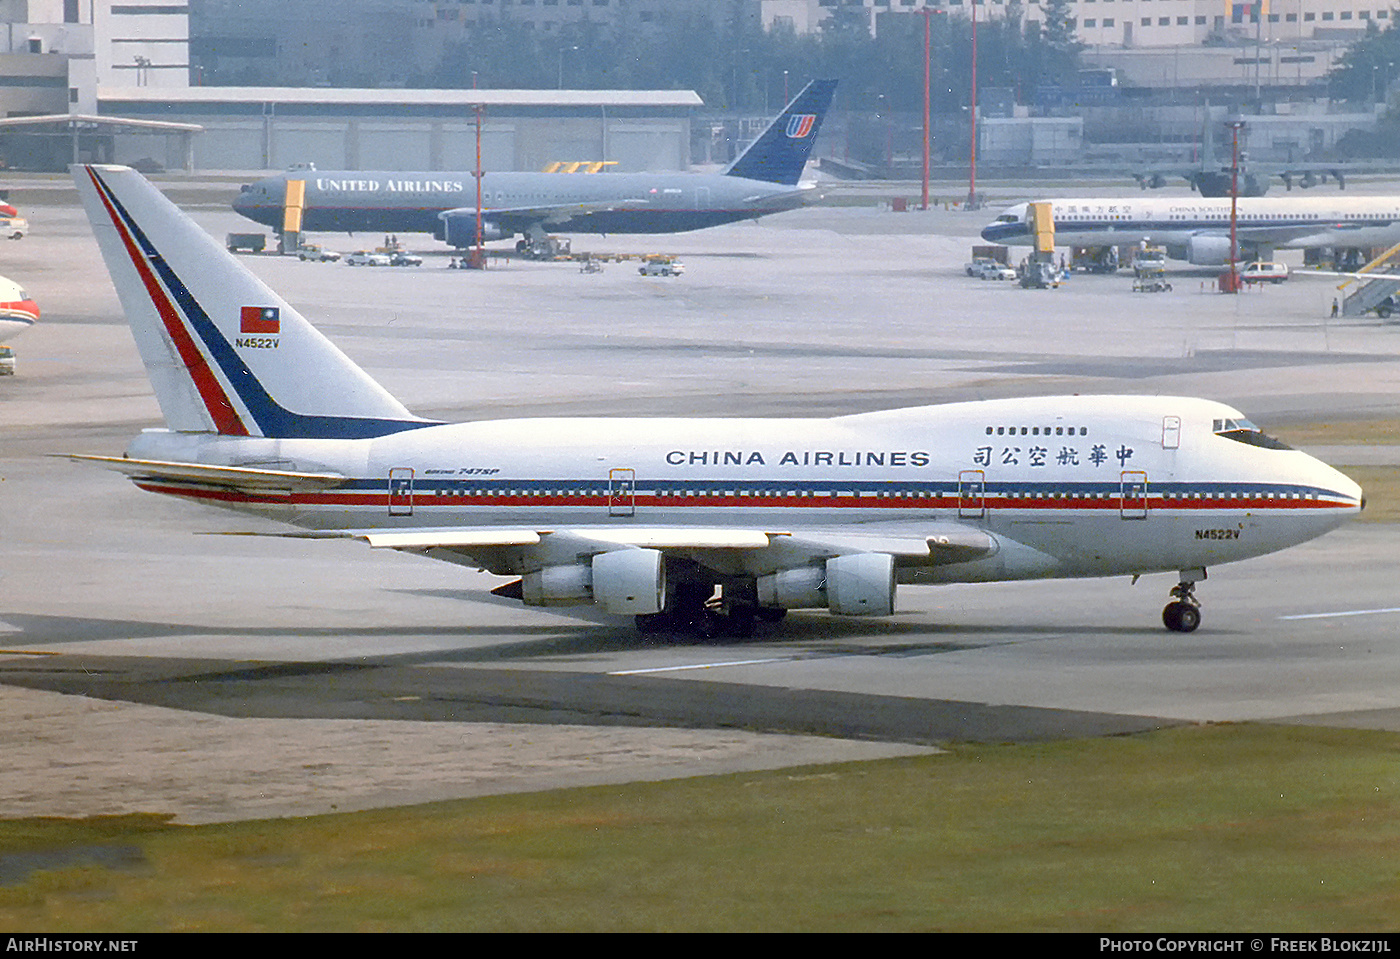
x,y
695,524
763,180
1197,229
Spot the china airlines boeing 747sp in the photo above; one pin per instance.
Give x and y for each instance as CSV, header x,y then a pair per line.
x,y
702,524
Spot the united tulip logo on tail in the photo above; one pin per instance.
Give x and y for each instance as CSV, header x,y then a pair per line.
x,y
259,319
800,124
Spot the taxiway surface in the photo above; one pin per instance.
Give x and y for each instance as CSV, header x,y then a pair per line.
x,y
262,650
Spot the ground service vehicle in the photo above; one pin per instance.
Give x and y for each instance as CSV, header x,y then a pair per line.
x,y
317,254
366,258
1261,271
661,266
248,242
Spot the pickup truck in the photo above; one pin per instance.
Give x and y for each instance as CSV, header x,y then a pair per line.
x,y
316,254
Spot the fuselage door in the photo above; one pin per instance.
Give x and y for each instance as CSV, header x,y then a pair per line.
x,y
702,198
1134,495
972,494
401,491
1171,432
622,492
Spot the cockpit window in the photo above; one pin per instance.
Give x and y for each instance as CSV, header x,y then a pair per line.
x,y
1008,218
1243,431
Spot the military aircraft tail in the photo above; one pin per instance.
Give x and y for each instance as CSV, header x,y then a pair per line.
x,y
224,353
780,153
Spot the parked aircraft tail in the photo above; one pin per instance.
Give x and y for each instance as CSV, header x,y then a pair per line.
x,y
781,152
224,353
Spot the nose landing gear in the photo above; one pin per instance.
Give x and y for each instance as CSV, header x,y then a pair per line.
x,y
1183,614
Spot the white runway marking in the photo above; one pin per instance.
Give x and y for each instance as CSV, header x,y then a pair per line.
x,y
670,669
1347,612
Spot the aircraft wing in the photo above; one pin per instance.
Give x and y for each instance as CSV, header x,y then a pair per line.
x,y
1304,234
233,477
932,544
519,218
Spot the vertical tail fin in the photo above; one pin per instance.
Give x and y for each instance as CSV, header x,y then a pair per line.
x,y
780,153
224,353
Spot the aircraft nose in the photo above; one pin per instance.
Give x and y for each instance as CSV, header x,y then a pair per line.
x,y
1347,488
999,231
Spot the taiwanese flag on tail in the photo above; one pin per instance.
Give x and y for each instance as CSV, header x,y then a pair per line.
x,y
259,319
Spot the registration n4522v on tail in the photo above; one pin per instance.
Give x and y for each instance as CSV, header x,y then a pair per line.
x,y
702,524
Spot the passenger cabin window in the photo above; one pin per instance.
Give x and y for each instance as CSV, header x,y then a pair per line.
x,y
1243,431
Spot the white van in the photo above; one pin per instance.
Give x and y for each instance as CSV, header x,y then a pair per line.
x,y
1262,272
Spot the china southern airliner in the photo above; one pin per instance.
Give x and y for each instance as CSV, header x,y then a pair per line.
x,y
688,524
1197,229
763,180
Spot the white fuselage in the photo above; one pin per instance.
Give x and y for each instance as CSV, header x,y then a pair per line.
x,y
1174,222
1064,486
17,311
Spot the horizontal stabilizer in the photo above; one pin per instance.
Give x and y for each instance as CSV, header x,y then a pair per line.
x,y
238,477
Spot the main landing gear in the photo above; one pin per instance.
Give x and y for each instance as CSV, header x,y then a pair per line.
x,y
1183,614
694,609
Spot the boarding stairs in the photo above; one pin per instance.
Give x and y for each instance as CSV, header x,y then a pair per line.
x,y
1370,286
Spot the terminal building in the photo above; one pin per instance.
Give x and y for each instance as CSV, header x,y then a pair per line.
x,y
104,81
133,81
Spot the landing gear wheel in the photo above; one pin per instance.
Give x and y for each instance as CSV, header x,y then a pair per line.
x,y
1183,614
1181,617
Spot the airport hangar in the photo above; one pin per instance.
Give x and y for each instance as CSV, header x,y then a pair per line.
x,y
267,128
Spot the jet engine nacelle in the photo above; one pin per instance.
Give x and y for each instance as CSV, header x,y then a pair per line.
x,y
558,586
458,228
1204,251
860,584
627,581
630,581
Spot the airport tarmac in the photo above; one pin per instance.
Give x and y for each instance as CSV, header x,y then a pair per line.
x,y
147,666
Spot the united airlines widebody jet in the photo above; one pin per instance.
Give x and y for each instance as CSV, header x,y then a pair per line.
x,y
694,524
763,180
1197,229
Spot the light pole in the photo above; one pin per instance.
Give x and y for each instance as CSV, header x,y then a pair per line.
x,y
1235,127
927,15
562,51
972,154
